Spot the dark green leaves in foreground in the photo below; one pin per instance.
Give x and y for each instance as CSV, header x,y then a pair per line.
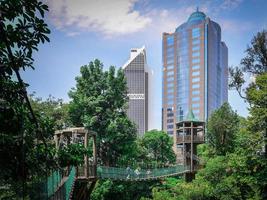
x,y
22,28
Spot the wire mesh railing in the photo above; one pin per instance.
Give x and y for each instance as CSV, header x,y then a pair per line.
x,y
46,187
69,183
56,186
115,173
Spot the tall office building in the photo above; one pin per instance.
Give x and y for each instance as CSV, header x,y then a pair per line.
x,y
195,66
136,72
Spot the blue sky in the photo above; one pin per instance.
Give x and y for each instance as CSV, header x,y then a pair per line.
x,y
83,30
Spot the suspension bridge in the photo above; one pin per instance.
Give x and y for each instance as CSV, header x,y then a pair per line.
x,y
60,184
77,182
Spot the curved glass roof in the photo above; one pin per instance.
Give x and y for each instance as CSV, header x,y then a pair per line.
x,y
195,16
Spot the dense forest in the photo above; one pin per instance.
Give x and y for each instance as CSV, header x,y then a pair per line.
x,y
233,159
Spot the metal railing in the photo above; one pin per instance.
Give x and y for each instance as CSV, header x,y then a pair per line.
x,y
187,138
139,174
86,172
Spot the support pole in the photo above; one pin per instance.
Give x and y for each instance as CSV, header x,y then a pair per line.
x,y
86,156
192,138
184,150
94,154
57,141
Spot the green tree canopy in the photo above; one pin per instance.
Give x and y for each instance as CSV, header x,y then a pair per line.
x,y
24,153
157,146
222,127
99,103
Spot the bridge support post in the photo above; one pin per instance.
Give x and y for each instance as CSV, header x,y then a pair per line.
x,y
94,155
190,176
86,156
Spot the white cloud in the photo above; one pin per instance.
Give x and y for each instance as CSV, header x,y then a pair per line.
x,y
111,17
230,4
235,26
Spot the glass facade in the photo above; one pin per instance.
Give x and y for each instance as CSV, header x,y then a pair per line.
x,y
195,75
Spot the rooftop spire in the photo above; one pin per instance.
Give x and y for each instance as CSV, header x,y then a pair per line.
x,y
191,117
197,8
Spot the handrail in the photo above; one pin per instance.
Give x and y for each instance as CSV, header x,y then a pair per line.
x,y
129,174
187,138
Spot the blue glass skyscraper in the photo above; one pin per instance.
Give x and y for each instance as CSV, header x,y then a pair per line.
x,y
195,66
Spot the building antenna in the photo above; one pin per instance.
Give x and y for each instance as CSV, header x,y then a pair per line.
x,y
197,8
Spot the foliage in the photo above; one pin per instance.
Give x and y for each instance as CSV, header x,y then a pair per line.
x,y
221,129
54,109
122,190
257,97
22,155
237,175
72,155
156,146
255,61
22,29
99,103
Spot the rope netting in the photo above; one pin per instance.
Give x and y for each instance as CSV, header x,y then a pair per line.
x,y
129,174
55,186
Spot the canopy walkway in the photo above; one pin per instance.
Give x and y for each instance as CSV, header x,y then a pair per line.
x,y
60,185
131,174
90,172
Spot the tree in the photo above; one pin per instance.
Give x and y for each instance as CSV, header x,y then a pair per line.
x,y
99,103
157,146
234,166
222,127
55,109
254,63
240,174
257,97
22,158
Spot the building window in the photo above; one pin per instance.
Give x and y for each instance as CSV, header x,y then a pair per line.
x,y
170,50
170,40
195,48
194,92
195,79
195,86
170,61
195,111
195,60
169,109
195,32
197,41
170,67
170,126
169,73
195,105
170,96
170,78
169,114
169,90
195,73
170,132
196,54
169,120
194,67
170,85
170,101
195,98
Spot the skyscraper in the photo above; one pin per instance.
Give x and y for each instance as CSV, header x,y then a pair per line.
x,y
136,72
195,66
